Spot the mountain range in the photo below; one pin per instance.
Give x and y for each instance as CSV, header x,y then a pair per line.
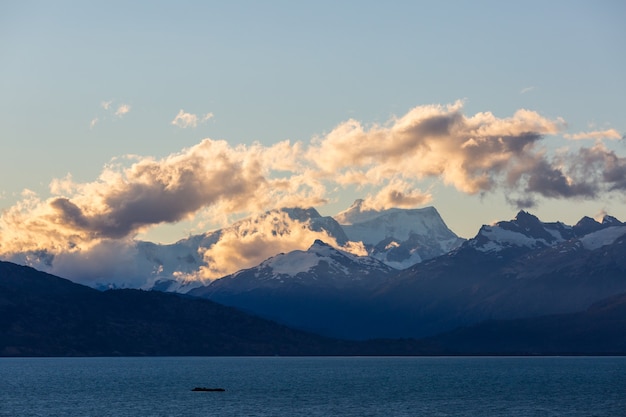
x,y
44,315
513,269
522,273
397,237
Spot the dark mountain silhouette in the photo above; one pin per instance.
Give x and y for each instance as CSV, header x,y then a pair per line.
x,y
600,330
43,315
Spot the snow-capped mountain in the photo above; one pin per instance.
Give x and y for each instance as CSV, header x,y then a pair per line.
x,y
603,237
513,269
519,268
527,232
319,267
396,237
170,264
399,237
316,290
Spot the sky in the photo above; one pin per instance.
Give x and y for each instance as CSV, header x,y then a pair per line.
x,y
157,120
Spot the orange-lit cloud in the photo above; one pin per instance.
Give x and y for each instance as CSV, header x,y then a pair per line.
x,y
470,153
127,199
397,193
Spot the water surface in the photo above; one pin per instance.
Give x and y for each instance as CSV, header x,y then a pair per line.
x,y
354,386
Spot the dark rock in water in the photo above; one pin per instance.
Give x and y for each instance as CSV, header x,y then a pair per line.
x,y
204,389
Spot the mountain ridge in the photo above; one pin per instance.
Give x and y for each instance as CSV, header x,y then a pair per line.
x,y
44,315
512,269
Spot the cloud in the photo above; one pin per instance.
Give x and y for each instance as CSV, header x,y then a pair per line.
x,y
526,90
476,154
472,154
600,215
604,168
550,181
125,200
122,109
611,134
185,120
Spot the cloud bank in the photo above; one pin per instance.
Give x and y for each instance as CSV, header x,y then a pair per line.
x,y
475,154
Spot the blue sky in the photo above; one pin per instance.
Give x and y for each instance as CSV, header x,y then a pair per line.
x,y
86,83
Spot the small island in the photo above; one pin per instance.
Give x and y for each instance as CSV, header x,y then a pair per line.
x,y
204,389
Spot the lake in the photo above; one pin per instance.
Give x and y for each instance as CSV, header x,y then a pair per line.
x,y
311,386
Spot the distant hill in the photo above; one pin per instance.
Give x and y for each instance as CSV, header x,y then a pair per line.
x,y
43,315
600,330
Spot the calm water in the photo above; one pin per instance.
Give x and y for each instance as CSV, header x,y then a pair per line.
x,y
313,387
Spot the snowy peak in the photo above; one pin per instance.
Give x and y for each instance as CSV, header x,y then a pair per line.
x,y
300,214
356,213
290,264
530,226
321,266
398,224
588,225
321,247
527,231
297,262
399,237
359,213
